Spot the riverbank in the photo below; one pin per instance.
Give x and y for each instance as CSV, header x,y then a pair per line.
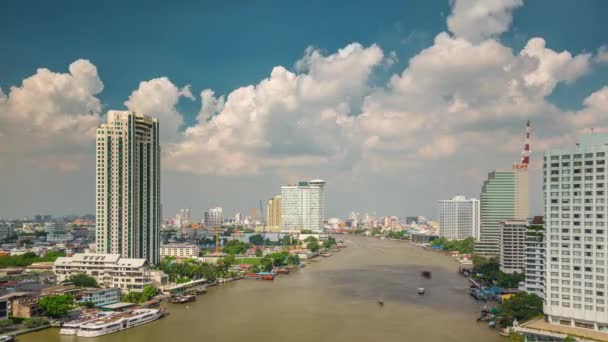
x,y
330,300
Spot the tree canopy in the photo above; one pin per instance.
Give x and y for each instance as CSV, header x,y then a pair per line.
x,y
465,246
256,239
488,270
235,247
522,306
56,306
82,280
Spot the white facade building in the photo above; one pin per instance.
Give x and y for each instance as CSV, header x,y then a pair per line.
x,y
128,186
302,206
535,258
512,246
110,270
213,217
575,185
459,218
179,250
56,232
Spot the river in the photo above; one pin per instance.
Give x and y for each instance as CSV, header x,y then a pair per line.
x,y
333,299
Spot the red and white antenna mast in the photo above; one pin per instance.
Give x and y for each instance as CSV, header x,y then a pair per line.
x,y
525,154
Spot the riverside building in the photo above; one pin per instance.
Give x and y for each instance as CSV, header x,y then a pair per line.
x,y
302,206
575,186
128,187
273,214
512,245
459,218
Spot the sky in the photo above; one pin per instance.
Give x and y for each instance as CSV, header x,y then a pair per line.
x,y
396,104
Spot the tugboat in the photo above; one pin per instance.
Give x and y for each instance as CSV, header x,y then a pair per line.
x,y
421,290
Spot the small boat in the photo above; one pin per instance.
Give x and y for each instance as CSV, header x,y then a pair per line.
x,y
326,254
421,290
182,299
426,274
7,338
381,302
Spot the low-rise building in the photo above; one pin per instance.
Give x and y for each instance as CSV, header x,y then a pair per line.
x,y
26,307
110,270
179,250
100,297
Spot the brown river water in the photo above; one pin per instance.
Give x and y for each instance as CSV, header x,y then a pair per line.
x,y
333,299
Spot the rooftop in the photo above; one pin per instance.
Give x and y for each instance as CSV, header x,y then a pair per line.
x,y
541,326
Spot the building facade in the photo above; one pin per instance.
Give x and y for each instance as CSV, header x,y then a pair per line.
x,y
179,250
128,187
504,196
459,218
535,258
100,297
273,214
56,232
110,270
576,219
512,246
302,206
213,217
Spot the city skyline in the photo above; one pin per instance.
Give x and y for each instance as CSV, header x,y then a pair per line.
x,y
382,146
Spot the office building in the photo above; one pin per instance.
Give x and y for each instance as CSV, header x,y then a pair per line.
x,y
535,258
128,187
213,217
179,250
512,246
576,219
100,297
273,214
110,270
459,218
56,232
302,206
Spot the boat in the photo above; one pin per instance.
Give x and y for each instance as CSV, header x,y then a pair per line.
x,y
326,254
421,290
281,270
72,327
182,299
7,338
381,302
119,321
426,274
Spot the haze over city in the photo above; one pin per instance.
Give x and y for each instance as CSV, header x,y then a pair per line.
x,y
393,105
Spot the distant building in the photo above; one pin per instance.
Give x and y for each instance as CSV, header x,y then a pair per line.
x,y
6,230
128,186
411,219
504,196
110,270
302,206
512,246
179,250
459,218
56,232
576,221
213,217
273,214
535,258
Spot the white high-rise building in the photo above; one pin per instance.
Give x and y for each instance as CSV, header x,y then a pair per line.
x,y
213,217
576,220
512,247
128,187
56,232
302,206
459,218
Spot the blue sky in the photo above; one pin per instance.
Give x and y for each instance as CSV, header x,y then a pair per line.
x,y
227,45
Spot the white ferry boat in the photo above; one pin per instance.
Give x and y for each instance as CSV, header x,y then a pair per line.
x,y
120,321
72,327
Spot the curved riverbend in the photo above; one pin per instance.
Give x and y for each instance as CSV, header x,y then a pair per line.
x,y
334,299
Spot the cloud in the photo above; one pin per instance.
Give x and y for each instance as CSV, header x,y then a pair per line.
x,y
478,20
602,55
158,98
593,116
46,120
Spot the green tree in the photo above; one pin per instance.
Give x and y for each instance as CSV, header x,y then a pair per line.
x,y
258,253
286,240
56,306
5,324
569,339
522,306
34,322
147,293
88,305
82,280
266,263
235,247
256,239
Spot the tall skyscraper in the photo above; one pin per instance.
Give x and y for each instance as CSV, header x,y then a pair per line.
x,y
576,219
504,196
302,206
459,218
128,186
273,214
213,217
